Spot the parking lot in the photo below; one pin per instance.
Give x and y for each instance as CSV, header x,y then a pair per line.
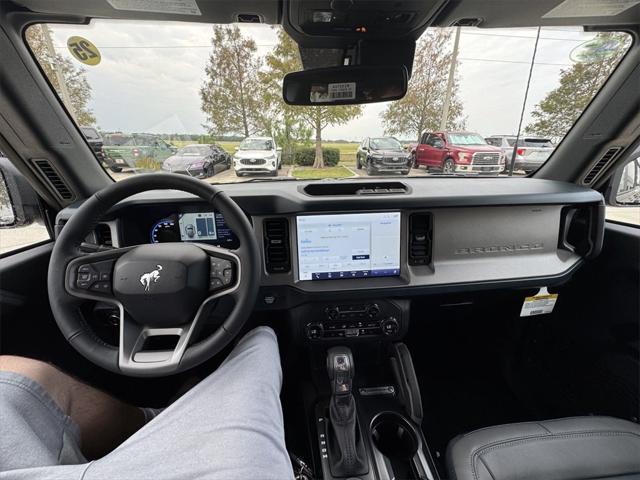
x,y
226,176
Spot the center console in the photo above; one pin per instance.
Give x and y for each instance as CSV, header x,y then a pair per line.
x,y
369,426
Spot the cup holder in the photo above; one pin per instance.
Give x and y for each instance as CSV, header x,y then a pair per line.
x,y
396,439
393,436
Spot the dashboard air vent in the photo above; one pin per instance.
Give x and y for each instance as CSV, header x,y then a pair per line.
x,y
467,22
249,18
600,165
420,236
54,180
276,245
103,235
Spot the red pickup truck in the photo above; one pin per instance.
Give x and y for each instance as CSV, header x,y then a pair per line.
x,y
457,152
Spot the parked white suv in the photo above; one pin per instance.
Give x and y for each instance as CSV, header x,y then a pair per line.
x,y
257,155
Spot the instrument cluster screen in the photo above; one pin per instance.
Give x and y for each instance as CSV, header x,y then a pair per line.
x,y
208,227
351,245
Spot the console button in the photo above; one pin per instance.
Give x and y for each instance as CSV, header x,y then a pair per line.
x,y
332,313
390,326
314,330
373,310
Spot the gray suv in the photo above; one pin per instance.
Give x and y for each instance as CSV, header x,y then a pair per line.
x,y
531,152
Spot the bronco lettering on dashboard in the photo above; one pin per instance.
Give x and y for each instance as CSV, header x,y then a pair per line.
x,y
520,247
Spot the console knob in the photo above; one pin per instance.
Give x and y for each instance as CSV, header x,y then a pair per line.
x,y
373,310
332,313
390,326
314,330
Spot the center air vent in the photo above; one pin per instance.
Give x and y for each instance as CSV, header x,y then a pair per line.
x,y
601,164
420,236
276,245
54,180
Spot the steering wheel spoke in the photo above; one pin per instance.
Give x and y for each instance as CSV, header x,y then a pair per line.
x,y
90,276
224,270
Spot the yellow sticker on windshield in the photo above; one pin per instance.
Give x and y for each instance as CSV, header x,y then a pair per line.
x,y
84,51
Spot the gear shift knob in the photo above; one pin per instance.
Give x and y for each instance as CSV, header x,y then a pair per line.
x,y
340,369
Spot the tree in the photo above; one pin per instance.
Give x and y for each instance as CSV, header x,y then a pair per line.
x,y
421,108
74,78
283,121
230,93
562,106
318,118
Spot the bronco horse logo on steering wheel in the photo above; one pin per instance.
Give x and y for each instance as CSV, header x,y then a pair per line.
x,y
152,276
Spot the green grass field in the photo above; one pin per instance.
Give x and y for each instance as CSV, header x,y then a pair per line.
x,y
308,173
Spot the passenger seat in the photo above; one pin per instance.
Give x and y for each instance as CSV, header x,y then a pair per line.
x,y
563,449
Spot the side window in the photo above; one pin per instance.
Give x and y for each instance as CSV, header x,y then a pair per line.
x,y
21,223
626,208
431,139
423,140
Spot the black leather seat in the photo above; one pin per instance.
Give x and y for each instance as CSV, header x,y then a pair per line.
x,y
562,449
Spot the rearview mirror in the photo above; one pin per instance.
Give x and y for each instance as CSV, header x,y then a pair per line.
x,y
345,85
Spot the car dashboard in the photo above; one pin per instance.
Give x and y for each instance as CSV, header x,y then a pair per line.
x,y
381,239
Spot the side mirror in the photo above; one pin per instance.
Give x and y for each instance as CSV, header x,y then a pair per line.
x,y
18,201
345,85
626,184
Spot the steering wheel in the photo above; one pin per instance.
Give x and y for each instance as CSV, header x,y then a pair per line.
x,y
164,289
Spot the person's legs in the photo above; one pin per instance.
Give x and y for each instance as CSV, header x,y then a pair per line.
x,y
105,422
229,426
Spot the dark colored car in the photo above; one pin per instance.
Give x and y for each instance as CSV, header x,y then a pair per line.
x,y
198,160
96,142
383,155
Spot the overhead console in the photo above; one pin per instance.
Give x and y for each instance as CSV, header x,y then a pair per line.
x,y
360,18
334,33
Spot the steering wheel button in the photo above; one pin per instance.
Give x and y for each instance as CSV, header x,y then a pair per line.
x,y
100,287
215,283
105,276
84,269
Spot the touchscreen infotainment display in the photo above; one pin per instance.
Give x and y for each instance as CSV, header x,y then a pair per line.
x,y
352,245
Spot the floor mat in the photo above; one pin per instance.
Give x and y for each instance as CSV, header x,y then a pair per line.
x,y
459,359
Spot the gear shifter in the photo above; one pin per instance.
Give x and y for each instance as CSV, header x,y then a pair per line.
x,y
347,455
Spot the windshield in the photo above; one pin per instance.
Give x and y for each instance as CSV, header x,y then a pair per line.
x,y
195,150
256,144
466,139
154,89
386,144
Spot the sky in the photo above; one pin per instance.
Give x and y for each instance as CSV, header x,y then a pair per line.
x,y
151,72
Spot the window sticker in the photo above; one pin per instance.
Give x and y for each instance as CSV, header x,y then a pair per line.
x,y
540,304
84,51
590,8
332,92
180,7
